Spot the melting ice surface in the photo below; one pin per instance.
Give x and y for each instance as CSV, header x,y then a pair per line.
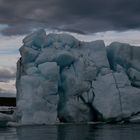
x,y
72,132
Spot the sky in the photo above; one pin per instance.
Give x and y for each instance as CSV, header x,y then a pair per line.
x,y
108,20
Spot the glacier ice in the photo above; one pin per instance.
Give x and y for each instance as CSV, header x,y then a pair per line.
x,y
62,79
128,57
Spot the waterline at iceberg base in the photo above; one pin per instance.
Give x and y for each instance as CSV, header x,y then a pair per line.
x,y
62,79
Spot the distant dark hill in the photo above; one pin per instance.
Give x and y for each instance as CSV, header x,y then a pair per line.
x,y
7,99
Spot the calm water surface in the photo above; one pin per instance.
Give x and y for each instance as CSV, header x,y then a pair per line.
x,y
72,132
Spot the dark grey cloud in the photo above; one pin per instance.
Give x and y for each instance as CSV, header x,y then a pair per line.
x,y
88,16
6,75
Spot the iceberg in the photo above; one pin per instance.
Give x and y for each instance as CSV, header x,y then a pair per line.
x,y
61,79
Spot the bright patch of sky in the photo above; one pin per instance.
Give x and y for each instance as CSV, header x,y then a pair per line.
x,y
8,87
3,26
9,50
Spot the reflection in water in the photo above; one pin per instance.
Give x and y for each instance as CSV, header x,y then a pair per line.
x,y
75,132
60,132
8,133
80,132
72,132
37,133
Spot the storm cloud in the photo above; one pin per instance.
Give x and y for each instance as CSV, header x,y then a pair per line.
x,y
78,16
6,75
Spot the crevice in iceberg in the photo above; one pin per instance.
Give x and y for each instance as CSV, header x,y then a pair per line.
x,y
110,58
97,116
119,93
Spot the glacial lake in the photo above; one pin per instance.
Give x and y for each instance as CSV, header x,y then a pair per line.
x,y
72,132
